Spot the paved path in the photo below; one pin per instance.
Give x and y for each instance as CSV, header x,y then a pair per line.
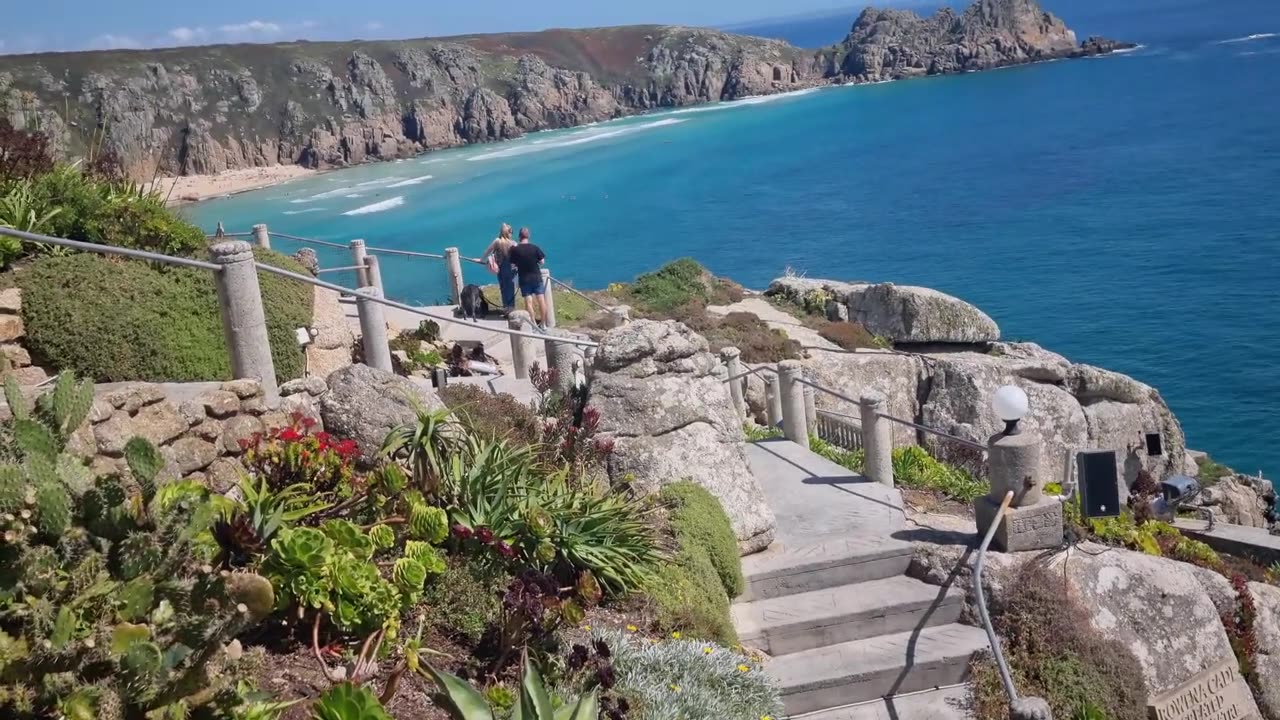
x,y
829,600
1234,539
778,320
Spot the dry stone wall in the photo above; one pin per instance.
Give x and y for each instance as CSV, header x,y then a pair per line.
x,y
15,360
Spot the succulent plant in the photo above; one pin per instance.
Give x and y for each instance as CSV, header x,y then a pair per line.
x,y
349,702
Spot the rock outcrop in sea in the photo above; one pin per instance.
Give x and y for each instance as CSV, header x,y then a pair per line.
x,y
203,110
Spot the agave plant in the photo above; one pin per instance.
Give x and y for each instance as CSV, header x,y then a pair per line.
x,y
22,209
533,703
261,512
427,444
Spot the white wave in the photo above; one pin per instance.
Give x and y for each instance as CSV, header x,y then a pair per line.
x,y
411,181
1126,51
326,194
303,212
354,195
1249,38
377,207
1269,51
578,138
762,99
379,181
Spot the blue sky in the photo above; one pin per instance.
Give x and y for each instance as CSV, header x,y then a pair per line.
x,y
39,25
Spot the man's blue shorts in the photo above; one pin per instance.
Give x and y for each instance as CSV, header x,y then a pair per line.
x,y
529,288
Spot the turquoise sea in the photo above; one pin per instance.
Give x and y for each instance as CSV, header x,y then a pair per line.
x,y
1123,211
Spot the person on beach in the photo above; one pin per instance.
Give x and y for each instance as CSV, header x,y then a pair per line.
x,y
527,259
498,256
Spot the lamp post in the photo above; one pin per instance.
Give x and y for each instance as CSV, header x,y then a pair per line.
x,y
1033,522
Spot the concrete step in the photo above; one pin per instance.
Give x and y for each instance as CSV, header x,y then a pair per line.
x,y
863,670
795,623
949,703
823,563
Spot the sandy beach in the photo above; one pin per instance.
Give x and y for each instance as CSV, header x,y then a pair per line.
x,y
194,188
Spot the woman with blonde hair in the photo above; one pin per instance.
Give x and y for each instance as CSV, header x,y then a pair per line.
x,y
498,256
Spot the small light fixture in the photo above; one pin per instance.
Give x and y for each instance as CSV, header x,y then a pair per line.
x,y
1011,405
304,336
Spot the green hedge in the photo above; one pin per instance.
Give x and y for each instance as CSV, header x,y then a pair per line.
x,y
116,320
692,593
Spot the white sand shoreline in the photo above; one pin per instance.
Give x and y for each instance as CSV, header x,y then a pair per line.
x,y
195,188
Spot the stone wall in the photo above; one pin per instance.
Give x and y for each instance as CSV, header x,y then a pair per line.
x,y
14,358
198,427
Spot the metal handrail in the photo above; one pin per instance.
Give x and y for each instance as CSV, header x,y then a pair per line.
x,y
370,249
843,416
111,250
417,311
1005,678
582,295
752,371
313,241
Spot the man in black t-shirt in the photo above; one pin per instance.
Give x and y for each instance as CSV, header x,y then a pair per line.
x,y
528,259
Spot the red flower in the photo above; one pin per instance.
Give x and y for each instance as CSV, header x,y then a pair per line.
x,y
243,443
504,549
323,437
348,448
462,532
290,435
296,416
484,535
308,423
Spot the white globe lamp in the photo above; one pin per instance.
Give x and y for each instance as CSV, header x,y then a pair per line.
x,y
1011,405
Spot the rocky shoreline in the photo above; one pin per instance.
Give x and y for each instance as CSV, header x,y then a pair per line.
x,y
204,111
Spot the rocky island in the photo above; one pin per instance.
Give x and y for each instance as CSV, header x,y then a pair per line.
x,y
206,110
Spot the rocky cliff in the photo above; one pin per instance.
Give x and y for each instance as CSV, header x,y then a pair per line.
x,y
208,109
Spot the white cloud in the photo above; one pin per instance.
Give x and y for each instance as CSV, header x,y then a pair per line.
x,y
188,35
252,28
114,42
373,26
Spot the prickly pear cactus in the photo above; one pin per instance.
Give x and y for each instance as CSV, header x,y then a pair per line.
x,y
105,610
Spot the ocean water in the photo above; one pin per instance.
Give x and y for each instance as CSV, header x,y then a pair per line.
x,y
1122,211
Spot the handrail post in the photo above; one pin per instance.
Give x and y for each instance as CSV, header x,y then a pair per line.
x,y
261,237
733,363
877,438
373,329
810,406
453,267
561,356
795,425
374,272
589,361
358,255
773,398
244,322
523,350
550,319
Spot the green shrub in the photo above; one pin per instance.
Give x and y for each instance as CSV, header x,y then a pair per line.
x,y
849,335
490,415
914,467
851,460
1055,653
1210,471
677,679
116,320
679,283
465,600
698,518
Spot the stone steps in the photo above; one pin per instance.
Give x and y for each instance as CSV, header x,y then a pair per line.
x,y
949,703
795,623
878,667
824,563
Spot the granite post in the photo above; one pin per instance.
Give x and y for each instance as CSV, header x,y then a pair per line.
x,y
373,329
523,350
1033,521
373,271
550,319
731,357
810,406
773,397
795,426
358,255
877,437
261,237
453,267
562,355
244,322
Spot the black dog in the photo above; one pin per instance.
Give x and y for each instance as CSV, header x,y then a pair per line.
x,y
474,304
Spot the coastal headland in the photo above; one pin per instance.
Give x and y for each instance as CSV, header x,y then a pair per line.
x,y
209,110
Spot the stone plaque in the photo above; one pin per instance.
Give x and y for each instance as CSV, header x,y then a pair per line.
x,y
1031,527
1219,693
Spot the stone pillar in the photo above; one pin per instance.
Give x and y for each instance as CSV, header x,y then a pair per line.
x,y
244,323
773,398
794,423
562,355
261,237
453,268
1033,522
588,361
1030,708
357,258
619,315
730,356
373,329
550,319
523,349
373,271
877,438
810,406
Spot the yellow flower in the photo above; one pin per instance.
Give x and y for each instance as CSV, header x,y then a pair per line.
x,y
586,627
766,717
675,688
744,668
632,628
707,651
675,635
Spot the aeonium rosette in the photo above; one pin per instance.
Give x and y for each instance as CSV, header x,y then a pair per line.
x,y
298,453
